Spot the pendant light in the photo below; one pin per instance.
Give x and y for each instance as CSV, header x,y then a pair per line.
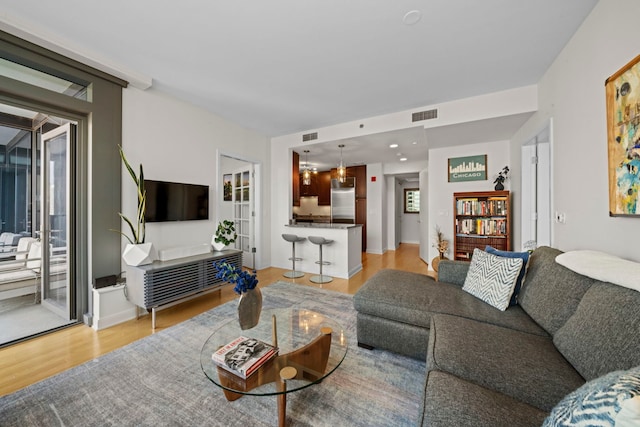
x,y
342,171
306,174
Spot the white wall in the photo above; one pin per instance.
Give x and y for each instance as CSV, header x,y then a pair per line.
x,y
393,224
176,141
376,210
572,93
440,202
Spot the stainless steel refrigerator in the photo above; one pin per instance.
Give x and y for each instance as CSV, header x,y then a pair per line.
x,y
343,201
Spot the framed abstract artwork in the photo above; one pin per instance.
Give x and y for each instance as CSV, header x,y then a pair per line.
x,y
622,91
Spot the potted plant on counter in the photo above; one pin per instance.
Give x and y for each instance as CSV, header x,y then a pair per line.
x,y
225,235
136,252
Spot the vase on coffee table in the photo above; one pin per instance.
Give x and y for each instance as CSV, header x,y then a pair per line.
x,y
249,308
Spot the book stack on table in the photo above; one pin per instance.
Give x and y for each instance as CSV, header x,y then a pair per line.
x,y
243,356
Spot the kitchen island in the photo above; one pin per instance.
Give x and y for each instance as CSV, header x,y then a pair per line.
x,y
344,254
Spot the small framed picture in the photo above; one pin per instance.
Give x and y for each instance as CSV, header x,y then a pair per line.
x,y
226,187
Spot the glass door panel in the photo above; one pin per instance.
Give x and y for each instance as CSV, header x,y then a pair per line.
x,y
243,213
56,231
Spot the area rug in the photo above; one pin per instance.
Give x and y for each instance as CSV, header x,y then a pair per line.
x,y
157,381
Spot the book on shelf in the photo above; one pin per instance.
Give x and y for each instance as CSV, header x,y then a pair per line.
x,y
243,356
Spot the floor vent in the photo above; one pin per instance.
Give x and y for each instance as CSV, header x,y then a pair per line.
x,y
309,136
424,115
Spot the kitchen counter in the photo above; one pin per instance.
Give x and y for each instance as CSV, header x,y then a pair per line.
x,y
344,253
322,225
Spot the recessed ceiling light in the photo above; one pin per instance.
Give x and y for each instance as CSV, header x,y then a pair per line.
x,y
393,146
414,143
403,159
412,17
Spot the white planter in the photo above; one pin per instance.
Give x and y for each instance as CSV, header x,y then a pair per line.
x,y
217,246
140,254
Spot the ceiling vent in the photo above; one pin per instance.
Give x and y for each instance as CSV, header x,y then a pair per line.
x,y
424,115
309,136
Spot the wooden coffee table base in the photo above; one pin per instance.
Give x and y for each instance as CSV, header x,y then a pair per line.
x,y
308,363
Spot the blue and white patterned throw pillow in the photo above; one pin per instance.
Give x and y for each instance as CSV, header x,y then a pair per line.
x,y
492,278
509,254
611,400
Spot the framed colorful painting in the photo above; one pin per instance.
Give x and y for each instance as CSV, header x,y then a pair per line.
x,y
623,139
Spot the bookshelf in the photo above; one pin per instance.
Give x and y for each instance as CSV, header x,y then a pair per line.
x,y
481,218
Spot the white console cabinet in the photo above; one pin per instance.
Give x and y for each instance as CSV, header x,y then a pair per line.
x,y
165,283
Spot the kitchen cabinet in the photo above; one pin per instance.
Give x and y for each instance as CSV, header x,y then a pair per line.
x,y
360,173
295,175
324,188
361,218
311,189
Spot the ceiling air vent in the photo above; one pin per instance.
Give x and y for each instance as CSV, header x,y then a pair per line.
x,y
309,136
424,115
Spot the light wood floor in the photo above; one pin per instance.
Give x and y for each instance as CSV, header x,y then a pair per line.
x,y
39,358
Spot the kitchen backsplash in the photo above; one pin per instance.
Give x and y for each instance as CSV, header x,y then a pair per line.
x,y
309,206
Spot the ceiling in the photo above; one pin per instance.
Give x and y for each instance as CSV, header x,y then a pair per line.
x,y
413,143
286,66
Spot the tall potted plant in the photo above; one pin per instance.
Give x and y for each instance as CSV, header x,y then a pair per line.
x,y
136,252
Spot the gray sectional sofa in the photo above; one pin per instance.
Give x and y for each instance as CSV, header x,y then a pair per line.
x,y
487,367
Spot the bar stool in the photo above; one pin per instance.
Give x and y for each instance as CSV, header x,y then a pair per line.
x,y
317,240
293,239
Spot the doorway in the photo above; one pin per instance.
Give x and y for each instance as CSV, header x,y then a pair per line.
x,y
37,164
536,189
244,204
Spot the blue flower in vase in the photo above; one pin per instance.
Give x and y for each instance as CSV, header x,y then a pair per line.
x,y
242,279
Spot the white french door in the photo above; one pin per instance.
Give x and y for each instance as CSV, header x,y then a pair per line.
x,y
243,201
56,219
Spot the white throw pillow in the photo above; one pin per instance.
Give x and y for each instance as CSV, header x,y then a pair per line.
x,y
602,266
492,278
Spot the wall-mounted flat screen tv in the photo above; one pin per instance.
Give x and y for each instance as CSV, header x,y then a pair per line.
x,y
172,201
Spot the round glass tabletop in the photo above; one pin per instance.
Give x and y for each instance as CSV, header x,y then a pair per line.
x,y
310,342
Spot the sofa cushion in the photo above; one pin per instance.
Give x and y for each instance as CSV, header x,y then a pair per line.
x,y
451,401
551,293
412,298
603,335
452,271
385,334
492,278
524,256
524,366
611,400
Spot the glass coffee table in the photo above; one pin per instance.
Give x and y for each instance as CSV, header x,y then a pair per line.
x,y
311,347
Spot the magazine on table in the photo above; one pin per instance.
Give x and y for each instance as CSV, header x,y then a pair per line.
x,y
243,356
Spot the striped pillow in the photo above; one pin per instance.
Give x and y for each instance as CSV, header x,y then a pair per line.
x,y
492,278
611,400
